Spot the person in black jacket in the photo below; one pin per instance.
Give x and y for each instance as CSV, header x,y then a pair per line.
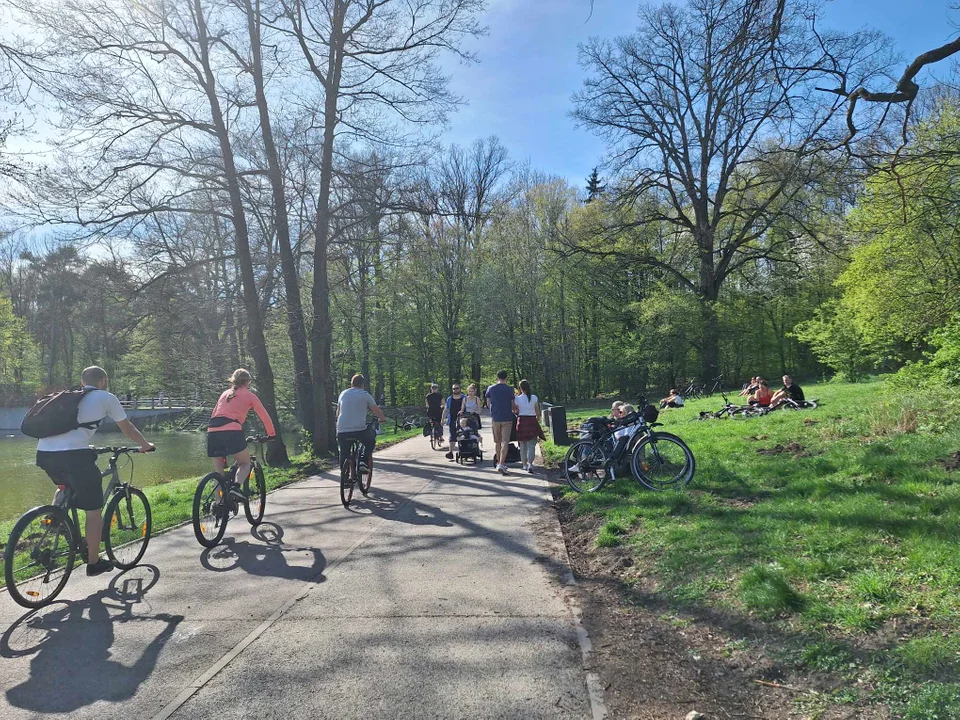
x,y
789,390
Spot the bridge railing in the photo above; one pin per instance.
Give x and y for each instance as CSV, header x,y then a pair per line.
x,y
161,402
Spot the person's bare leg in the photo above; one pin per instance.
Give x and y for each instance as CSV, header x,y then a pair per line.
x,y
219,464
93,525
243,460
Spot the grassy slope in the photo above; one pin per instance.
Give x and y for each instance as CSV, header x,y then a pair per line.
x,y
849,540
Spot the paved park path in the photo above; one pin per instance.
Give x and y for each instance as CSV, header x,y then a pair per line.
x,y
439,596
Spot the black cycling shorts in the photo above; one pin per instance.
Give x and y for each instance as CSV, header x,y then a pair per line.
x,y
367,437
225,442
77,469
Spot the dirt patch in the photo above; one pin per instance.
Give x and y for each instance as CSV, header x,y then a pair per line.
x,y
657,661
758,437
792,448
952,462
810,421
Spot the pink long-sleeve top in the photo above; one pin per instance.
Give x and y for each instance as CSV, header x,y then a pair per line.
x,y
237,407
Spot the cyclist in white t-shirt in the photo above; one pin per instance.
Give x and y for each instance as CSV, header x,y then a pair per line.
x,y
68,459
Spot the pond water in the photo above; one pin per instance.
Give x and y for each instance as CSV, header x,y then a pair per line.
x,y
24,485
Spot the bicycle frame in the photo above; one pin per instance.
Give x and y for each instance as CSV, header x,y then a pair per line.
x,y
61,499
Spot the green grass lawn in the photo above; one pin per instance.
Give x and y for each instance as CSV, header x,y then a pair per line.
x,y
171,503
839,526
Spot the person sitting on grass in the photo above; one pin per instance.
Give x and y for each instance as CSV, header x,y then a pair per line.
x,y
616,410
762,396
789,390
673,400
751,387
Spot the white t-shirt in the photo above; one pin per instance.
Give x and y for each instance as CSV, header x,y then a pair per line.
x,y
95,406
353,404
525,406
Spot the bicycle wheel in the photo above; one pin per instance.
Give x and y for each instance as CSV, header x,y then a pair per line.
x,y
662,461
39,556
256,494
127,526
434,441
583,466
364,479
346,480
211,510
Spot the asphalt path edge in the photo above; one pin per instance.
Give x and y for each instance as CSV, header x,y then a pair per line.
x,y
598,707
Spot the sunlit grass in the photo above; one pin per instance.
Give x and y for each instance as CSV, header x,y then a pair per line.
x,y
837,523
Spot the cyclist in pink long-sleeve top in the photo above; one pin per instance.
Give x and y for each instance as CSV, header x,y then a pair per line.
x,y
225,431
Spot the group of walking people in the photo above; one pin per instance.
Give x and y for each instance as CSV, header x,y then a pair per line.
x,y
514,413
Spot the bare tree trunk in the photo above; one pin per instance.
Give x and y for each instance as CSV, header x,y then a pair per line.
x,y
295,321
364,324
321,339
276,451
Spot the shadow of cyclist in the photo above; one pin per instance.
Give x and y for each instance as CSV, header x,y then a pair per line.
x,y
267,558
72,665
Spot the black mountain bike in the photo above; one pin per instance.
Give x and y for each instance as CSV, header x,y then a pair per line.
x,y
355,469
436,435
693,391
731,410
789,403
219,497
715,386
658,460
46,540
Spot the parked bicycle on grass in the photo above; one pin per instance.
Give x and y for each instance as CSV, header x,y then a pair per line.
x,y
658,460
46,540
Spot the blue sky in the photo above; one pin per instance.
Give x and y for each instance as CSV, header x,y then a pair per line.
x,y
528,69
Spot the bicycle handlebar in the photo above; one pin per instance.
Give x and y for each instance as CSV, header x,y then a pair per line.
x,y
118,450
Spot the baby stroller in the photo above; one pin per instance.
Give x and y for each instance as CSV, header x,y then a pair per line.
x,y
468,443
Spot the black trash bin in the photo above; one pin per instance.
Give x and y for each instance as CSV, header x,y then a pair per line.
x,y
558,425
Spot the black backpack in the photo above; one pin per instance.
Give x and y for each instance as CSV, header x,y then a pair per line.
x,y
55,414
513,453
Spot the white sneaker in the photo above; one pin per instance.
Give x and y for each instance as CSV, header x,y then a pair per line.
x,y
501,469
573,469
530,469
